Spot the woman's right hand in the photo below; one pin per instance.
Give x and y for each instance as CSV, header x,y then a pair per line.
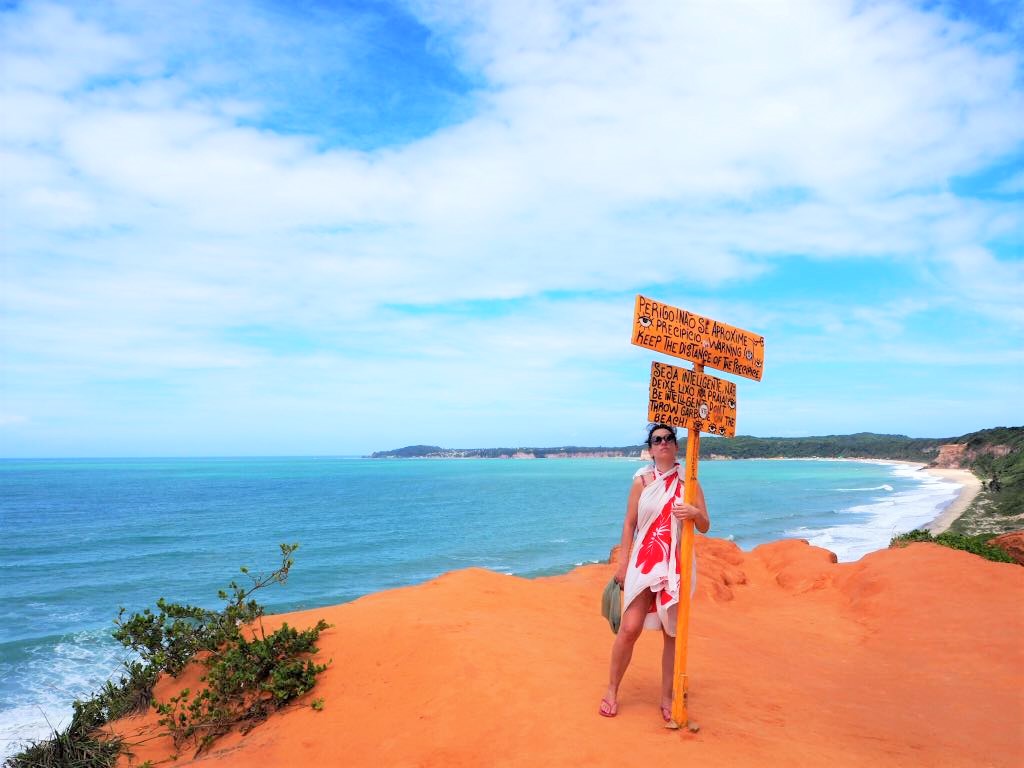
x,y
620,575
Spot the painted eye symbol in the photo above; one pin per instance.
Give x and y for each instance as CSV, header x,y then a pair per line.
x,y
721,430
645,322
749,354
732,404
757,363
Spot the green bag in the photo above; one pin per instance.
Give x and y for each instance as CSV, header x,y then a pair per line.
x,y
611,604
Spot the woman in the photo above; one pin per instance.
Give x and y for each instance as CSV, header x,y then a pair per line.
x,y
647,568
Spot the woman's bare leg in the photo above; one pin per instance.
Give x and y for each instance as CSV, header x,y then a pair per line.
x,y
668,662
630,627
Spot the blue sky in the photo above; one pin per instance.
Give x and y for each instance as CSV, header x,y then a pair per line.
x,y
332,228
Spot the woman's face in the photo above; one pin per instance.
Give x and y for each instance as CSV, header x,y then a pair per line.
x,y
663,444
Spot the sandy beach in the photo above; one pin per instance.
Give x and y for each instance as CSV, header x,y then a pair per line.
x,y
971,486
907,657
969,483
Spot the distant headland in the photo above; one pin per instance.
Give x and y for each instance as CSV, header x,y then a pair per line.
x,y
947,451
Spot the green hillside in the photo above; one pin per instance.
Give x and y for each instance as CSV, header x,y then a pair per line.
x,y
996,456
864,445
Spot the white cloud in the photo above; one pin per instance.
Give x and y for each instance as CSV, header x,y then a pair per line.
x,y
737,98
49,48
613,147
992,286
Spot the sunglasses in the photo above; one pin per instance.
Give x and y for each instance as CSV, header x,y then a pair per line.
x,y
659,439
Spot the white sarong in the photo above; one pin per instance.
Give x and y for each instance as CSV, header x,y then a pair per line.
x,y
652,560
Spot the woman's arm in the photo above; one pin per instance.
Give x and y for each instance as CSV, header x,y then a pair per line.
x,y
698,511
628,529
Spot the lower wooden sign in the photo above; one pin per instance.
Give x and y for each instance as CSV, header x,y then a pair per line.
x,y
684,398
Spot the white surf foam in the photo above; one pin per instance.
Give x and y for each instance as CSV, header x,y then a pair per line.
x,y
871,526
50,680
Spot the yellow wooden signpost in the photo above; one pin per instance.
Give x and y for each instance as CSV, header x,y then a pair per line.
x,y
701,403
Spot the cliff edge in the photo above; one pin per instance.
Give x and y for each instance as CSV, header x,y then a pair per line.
x,y
908,657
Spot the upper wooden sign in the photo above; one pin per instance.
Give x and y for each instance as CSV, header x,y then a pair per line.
x,y
685,398
699,339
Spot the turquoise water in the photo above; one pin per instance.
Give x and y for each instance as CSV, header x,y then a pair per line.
x,y
83,537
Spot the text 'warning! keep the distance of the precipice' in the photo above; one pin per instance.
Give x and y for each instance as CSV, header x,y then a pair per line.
x,y
698,339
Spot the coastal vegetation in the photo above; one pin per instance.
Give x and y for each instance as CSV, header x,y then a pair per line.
x,y
566,451
977,545
249,673
987,450
862,445
996,456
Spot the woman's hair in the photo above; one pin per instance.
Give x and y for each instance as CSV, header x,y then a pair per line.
x,y
652,427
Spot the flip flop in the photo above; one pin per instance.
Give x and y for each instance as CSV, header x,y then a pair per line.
x,y
608,709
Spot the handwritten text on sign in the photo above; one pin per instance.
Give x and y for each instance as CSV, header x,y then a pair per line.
x,y
683,334
685,398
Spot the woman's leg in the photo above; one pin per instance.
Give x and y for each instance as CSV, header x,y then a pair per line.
x,y
668,662
630,627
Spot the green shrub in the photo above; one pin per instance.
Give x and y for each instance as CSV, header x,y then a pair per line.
x,y
250,673
247,679
976,545
67,749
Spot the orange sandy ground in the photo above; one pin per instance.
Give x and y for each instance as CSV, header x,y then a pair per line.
x,y
911,657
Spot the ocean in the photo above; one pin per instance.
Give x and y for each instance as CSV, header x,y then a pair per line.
x,y
82,537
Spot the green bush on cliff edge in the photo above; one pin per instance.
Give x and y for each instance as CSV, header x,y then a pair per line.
x,y
249,674
976,545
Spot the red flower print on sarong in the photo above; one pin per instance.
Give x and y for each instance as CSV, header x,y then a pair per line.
x,y
656,543
653,565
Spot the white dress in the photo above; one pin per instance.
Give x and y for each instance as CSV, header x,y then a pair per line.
x,y
652,558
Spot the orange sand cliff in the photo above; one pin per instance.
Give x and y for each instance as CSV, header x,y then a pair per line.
x,y
907,657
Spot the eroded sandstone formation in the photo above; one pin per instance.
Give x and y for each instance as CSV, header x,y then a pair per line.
x,y
908,657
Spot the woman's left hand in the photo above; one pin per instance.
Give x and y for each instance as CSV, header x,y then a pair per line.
x,y
698,513
682,511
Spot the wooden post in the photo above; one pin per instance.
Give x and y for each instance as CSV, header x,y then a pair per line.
x,y
684,398
684,557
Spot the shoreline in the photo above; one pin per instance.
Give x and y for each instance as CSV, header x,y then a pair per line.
x,y
970,487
